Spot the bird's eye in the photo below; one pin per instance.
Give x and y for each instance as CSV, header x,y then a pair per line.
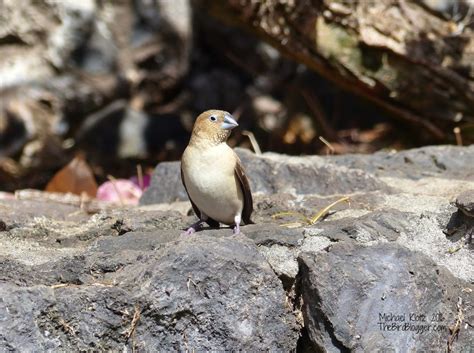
x,y
212,118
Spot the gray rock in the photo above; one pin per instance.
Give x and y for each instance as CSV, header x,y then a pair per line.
x,y
84,277
271,173
394,201
461,223
219,294
383,225
465,202
442,161
270,234
198,293
380,298
165,186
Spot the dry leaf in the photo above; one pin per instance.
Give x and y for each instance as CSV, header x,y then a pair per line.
x,y
76,178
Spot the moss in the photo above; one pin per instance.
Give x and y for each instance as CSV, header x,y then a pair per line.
x,y
341,47
332,40
369,64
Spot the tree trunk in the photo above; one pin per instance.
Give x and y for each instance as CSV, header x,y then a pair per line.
x,y
401,55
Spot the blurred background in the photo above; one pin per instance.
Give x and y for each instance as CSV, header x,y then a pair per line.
x,y
119,83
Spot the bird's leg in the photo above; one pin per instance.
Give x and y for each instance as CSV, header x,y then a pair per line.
x,y
194,227
237,220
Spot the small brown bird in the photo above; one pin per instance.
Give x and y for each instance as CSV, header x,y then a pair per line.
x,y
213,176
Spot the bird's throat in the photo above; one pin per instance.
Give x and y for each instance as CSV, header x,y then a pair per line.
x,y
202,139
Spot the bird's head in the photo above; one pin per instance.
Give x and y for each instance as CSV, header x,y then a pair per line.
x,y
214,126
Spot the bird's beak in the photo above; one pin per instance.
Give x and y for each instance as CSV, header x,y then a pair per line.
x,y
229,122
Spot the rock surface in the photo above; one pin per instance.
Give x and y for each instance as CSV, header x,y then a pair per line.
x,y
272,173
379,298
465,203
125,279
123,283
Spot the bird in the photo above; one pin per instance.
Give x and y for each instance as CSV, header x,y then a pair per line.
x,y
213,175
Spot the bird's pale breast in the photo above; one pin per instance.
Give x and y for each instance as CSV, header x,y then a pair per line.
x,y
211,182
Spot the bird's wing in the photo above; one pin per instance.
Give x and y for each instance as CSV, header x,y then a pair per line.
x,y
245,186
212,223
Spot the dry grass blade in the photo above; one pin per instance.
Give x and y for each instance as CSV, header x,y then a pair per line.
x,y
190,280
306,220
457,133
59,285
64,285
328,145
454,330
140,176
455,249
134,323
292,225
325,210
253,141
66,327
103,284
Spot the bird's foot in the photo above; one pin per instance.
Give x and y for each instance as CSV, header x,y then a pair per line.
x,y
237,220
237,229
189,231
193,228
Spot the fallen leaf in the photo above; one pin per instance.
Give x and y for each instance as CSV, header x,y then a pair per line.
x,y
75,178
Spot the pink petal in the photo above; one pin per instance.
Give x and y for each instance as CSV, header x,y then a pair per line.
x,y
120,191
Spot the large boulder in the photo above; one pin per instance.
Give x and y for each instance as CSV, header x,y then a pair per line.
x,y
272,173
152,291
380,298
